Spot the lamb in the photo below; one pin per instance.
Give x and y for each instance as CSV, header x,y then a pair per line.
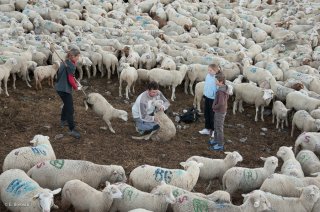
x,y
86,62
84,197
280,111
133,198
24,194
279,90
166,62
252,94
253,203
103,108
215,168
287,185
245,179
196,72
55,173
290,165
146,177
309,141
5,70
171,78
130,75
167,128
109,60
43,72
299,101
305,122
309,162
25,158
305,202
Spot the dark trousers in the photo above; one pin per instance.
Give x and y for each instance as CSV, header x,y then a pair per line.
x,y
208,113
218,127
67,110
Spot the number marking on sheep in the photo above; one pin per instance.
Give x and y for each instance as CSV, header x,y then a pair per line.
x,y
200,205
253,69
182,199
127,194
249,176
176,193
38,151
303,158
279,91
18,187
57,163
307,139
39,165
161,174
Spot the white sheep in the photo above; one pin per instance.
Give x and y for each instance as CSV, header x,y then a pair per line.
x,y
305,202
166,62
83,197
129,75
133,198
43,72
304,121
110,61
309,162
55,173
299,101
280,91
215,168
196,72
103,108
290,165
309,141
280,111
25,158
251,94
146,177
246,179
5,70
171,78
188,203
86,62
20,193
315,113
167,128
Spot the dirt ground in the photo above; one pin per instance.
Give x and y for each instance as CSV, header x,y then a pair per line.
x,y
28,112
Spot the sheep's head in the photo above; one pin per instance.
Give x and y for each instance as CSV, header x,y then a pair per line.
x,y
271,163
234,156
123,115
267,95
166,191
191,163
311,192
297,86
39,138
160,57
45,198
112,190
285,152
258,199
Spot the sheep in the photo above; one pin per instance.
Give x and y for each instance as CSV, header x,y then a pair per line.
x,y
167,128
20,193
55,173
131,56
171,78
103,108
196,72
309,162
5,73
25,158
130,75
290,165
220,166
42,72
165,62
280,111
309,141
109,60
279,90
134,198
146,177
305,202
315,113
305,122
245,179
86,62
198,95
190,203
285,185
253,95
298,101
178,18
84,197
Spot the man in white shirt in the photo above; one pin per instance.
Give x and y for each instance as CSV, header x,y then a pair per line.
x,y
143,110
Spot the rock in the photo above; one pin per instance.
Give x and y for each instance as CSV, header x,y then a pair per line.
x,y
108,93
179,127
262,133
242,140
103,128
240,125
59,136
163,155
177,118
184,111
188,141
185,127
229,126
229,141
175,114
5,107
47,127
264,129
126,101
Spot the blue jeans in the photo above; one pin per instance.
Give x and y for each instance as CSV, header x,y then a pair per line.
x,y
144,126
67,109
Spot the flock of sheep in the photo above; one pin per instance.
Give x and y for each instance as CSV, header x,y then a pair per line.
x,y
272,44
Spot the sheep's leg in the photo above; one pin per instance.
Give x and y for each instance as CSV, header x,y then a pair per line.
x,y
257,110
5,82
49,82
172,95
109,124
103,71
24,75
94,70
127,90
277,123
113,68
235,107
80,73
14,80
287,122
120,87
52,82
209,186
109,72
40,86
0,86
88,72
262,110
292,128
241,106
186,82
133,84
282,124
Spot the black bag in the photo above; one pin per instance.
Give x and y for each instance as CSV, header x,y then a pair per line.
x,y
190,116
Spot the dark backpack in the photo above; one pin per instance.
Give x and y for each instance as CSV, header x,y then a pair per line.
x,y
190,116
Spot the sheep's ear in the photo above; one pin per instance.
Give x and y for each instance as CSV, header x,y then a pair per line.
x,y
57,191
244,195
35,196
183,164
263,158
107,183
316,174
47,137
299,189
227,153
290,147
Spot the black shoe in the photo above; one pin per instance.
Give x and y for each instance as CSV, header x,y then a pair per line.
x,y
64,123
74,133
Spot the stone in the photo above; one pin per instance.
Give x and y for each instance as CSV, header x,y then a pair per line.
x,y
126,101
229,141
47,127
264,129
108,93
242,140
240,125
179,127
58,136
103,128
262,133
